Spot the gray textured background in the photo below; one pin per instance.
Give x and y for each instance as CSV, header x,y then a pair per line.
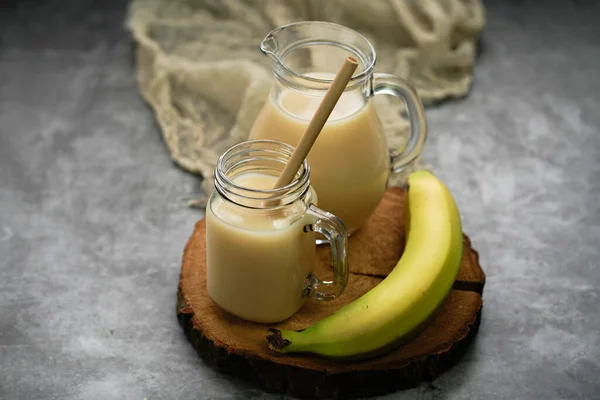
x,y
93,218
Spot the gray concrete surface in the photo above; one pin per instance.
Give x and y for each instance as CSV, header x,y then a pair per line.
x,y
93,218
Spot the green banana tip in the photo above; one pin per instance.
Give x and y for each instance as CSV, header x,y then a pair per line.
x,y
276,341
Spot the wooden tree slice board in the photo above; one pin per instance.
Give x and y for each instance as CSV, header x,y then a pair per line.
x,y
240,348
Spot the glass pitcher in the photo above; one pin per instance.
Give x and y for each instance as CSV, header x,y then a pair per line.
x,y
350,161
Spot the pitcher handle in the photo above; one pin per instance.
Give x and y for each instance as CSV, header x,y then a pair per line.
x,y
392,85
334,230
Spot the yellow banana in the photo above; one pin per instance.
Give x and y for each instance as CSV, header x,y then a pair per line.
x,y
404,301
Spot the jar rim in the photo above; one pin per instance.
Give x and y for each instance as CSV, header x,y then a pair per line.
x,y
270,150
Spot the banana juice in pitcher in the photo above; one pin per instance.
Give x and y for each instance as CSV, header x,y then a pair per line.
x,y
350,162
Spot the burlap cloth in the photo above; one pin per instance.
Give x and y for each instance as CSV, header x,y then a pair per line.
x,y
200,68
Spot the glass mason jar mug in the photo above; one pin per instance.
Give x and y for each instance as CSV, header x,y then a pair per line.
x,y
260,241
350,161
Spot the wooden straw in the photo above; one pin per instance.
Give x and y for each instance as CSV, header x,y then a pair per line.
x,y
317,122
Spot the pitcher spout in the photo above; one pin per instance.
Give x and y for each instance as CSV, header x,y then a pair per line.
x,y
299,50
269,45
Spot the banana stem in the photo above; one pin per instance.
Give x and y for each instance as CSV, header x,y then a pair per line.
x,y
276,341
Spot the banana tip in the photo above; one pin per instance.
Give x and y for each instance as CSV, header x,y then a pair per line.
x,y
276,341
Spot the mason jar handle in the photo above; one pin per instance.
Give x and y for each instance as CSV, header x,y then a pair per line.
x,y
392,85
334,230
